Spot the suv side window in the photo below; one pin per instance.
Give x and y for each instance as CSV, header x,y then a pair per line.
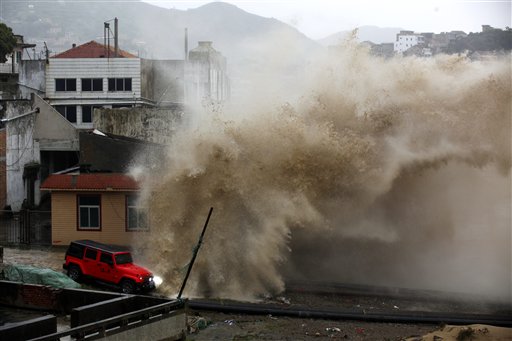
x,y
91,254
75,250
106,258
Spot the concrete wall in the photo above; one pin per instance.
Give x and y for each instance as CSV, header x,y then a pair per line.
x,y
30,329
116,153
32,77
113,219
163,81
22,149
52,130
156,125
26,137
136,317
171,328
3,175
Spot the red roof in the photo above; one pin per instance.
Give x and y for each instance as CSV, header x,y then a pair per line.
x,y
92,49
90,182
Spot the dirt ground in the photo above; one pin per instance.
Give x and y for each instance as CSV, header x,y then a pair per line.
x,y
219,326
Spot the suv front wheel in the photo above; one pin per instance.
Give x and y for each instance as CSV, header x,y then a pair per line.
x,y
74,273
127,286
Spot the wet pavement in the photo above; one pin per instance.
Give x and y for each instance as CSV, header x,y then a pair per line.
x,y
50,257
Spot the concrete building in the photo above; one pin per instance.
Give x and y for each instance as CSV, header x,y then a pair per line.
x,y
206,75
407,39
85,77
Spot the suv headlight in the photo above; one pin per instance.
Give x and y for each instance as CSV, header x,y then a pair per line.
x,y
158,280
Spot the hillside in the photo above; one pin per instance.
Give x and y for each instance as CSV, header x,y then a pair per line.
x,y
374,34
151,31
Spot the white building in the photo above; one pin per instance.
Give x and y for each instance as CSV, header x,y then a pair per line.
x,y
89,76
407,39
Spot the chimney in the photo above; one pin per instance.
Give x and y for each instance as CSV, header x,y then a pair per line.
x,y
186,43
73,46
116,37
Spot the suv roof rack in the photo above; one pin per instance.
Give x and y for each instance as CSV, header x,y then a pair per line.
x,y
101,246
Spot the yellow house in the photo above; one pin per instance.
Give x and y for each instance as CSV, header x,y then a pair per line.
x,y
97,206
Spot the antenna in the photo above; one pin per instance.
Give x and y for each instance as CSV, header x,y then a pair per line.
x,y
116,37
186,44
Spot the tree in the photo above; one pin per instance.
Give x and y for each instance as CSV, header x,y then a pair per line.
x,y
7,42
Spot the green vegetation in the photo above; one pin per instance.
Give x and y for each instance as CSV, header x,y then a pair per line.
x,y
7,42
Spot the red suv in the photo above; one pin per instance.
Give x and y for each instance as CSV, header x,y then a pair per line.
x,y
106,263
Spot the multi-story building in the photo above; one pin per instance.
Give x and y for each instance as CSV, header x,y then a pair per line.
x,y
89,76
407,39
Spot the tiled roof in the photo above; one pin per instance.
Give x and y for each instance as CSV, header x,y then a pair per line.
x,y
92,49
90,182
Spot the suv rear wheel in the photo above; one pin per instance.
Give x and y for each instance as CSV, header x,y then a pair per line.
x,y
127,286
74,273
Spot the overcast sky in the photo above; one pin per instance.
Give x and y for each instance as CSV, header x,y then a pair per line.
x,y
319,18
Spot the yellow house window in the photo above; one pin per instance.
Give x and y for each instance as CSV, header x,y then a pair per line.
x,y
136,216
89,212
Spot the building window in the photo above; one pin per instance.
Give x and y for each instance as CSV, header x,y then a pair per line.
x,y
119,84
89,212
136,216
65,84
68,111
92,84
87,111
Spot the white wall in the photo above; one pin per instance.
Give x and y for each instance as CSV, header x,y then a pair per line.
x,y
93,68
405,42
104,68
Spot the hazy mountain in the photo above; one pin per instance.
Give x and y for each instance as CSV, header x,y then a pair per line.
x,y
374,34
153,31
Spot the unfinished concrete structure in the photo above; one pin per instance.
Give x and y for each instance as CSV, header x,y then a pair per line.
x,y
96,314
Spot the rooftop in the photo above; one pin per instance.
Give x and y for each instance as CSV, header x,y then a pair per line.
x,y
93,49
90,182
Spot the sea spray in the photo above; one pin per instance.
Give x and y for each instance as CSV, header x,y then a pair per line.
x,y
380,171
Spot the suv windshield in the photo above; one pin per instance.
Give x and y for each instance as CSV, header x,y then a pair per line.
x,y
123,258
